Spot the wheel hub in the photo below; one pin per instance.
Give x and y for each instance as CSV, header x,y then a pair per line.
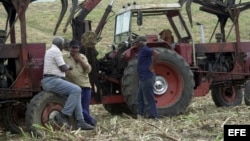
x,y
52,115
50,112
160,85
228,92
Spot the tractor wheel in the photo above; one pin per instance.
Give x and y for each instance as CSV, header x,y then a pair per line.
x,y
130,85
42,110
247,93
173,88
117,109
227,96
14,117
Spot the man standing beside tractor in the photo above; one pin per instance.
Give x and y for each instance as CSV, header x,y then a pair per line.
x,y
146,106
80,75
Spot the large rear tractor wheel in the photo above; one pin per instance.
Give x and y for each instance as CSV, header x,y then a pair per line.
x,y
226,96
42,111
173,88
14,117
247,93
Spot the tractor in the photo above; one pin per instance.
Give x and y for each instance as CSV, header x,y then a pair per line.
x,y
184,70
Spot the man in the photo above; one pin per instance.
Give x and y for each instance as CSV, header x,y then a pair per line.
x,y
53,80
145,96
166,35
80,76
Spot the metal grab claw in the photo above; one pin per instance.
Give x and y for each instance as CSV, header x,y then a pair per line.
x,y
62,13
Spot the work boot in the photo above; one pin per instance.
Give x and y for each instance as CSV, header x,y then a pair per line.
x,y
94,122
83,125
62,120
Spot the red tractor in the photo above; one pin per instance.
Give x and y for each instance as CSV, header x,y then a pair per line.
x,y
184,70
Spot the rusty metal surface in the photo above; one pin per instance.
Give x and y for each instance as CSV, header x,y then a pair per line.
x,y
30,74
226,8
36,60
222,47
152,7
215,47
16,93
111,99
10,50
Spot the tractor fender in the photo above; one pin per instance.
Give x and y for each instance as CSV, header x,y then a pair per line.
x,y
129,53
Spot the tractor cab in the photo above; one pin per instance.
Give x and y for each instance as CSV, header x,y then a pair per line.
x,y
137,20
172,33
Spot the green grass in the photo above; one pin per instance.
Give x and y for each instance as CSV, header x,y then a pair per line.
x,y
42,17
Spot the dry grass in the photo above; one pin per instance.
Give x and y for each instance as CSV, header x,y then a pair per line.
x,y
203,121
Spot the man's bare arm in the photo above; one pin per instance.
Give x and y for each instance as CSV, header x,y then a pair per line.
x,y
65,67
155,56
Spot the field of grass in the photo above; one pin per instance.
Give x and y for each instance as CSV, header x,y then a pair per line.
x,y
202,121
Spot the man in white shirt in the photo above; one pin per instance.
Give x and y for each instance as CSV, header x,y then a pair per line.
x,y
53,81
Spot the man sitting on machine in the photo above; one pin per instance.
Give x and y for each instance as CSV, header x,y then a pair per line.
x,y
167,36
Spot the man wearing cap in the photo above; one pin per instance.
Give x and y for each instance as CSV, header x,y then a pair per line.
x,y
146,106
80,76
53,81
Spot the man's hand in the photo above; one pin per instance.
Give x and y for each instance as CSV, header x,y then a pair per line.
x,y
69,67
68,73
65,67
156,55
151,68
77,57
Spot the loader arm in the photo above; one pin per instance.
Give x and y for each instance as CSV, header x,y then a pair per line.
x,y
78,25
76,21
62,13
103,20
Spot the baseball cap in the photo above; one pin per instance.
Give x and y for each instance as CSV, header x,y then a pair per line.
x,y
74,43
140,39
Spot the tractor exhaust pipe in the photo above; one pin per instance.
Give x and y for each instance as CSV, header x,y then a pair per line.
x,y
202,34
